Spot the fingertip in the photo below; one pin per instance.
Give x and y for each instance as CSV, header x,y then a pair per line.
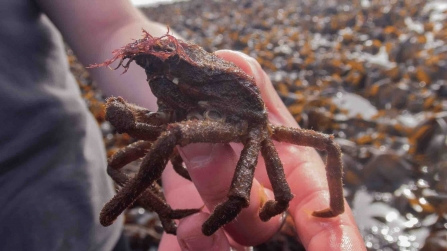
x,y
340,229
248,64
190,236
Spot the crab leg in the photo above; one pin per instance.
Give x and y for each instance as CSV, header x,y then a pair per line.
x,y
152,198
153,164
177,162
277,178
239,193
334,167
125,118
123,157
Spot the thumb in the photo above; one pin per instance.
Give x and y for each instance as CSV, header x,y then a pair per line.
x,y
278,112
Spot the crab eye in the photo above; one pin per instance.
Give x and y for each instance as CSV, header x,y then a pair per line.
x,y
213,115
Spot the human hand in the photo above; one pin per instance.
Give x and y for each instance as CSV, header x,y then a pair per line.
x,y
211,167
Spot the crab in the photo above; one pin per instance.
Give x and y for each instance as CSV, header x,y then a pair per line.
x,y
202,98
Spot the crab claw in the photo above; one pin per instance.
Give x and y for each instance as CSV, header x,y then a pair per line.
x,y
118,114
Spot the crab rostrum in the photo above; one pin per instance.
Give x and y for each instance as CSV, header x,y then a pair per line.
x,y
202,98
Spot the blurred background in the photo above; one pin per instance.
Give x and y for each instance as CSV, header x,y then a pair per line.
x,y
371,72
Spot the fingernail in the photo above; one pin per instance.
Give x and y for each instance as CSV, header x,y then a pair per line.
x,y
254,65
197,155
251,62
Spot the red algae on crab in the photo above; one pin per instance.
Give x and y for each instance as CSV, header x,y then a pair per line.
x,y
162,47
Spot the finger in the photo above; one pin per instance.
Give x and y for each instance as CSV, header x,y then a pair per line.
x,y
180,193
211,167
190,236
312,193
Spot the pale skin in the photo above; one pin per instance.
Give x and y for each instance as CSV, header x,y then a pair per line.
x,y
94,28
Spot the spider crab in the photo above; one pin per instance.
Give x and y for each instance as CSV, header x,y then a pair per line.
x,y
202,98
